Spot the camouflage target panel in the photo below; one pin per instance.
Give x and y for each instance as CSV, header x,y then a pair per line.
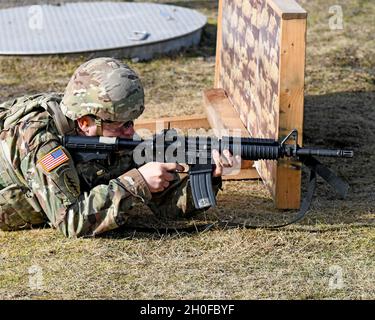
x,y
260,64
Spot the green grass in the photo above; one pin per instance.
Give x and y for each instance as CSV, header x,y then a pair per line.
x,y
298,262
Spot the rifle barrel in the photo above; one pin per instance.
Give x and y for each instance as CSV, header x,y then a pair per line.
x,y
248,148
337,153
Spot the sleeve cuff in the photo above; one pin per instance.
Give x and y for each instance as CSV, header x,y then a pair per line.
x,y
134,182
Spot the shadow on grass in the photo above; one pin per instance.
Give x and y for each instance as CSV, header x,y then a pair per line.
x,y
345,120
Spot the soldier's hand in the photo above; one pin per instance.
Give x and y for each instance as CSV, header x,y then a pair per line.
x,y
225,162
158,175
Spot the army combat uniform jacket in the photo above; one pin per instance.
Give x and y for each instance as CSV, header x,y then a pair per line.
x,y
39,182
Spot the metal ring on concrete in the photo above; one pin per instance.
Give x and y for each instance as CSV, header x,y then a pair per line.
x,y
127,29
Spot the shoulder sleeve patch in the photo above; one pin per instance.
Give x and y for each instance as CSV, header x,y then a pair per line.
x,y
53,159
55,162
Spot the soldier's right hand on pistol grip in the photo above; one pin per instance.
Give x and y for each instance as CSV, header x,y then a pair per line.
x,y
158,174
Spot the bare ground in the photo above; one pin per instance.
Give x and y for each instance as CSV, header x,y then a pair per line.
x,y
328,255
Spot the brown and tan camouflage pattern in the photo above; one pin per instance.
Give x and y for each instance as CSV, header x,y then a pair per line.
x,y
249,70
106,88
250,63
78,199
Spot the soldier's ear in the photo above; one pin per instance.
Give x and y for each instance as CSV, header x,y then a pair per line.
x,y
84,123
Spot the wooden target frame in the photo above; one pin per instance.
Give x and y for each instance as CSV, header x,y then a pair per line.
x,y
260,65
259,86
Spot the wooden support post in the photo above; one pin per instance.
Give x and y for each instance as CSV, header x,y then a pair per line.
x,y
182,122
291,98
218,45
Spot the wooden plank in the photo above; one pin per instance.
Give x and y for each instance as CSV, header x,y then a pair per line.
x,y
218,43
292,83
288,9
224,120
220,113
245,174
182,122
291,107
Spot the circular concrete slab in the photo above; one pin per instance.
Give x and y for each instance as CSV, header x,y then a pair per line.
x,y
137,29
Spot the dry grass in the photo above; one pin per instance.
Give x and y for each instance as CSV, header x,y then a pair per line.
x,y
303,261
232,264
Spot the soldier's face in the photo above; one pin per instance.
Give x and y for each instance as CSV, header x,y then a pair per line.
x,y
120,130
110,129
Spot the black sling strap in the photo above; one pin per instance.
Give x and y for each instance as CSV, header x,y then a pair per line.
x,y
316,168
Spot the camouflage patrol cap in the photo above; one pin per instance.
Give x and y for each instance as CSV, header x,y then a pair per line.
x,y
106,88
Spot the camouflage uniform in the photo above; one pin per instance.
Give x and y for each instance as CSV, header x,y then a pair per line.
x,y
80,199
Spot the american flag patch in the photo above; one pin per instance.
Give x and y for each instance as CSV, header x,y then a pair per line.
x,y
53,159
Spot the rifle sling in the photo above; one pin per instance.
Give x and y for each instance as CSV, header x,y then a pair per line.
x,y
306,203
64,125
338,184
315,167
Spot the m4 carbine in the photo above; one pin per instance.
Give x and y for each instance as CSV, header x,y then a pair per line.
x,y
196,152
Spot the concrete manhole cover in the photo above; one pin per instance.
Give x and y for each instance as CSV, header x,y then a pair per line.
x,y
137,29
